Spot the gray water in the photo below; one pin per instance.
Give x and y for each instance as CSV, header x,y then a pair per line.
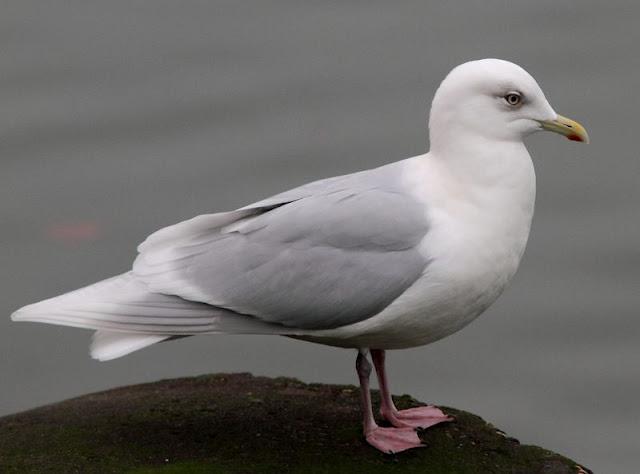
x,y
117,118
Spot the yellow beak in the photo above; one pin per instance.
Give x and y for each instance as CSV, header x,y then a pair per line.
x,y
567,127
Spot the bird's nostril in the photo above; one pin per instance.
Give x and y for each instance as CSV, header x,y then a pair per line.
x,y
570,126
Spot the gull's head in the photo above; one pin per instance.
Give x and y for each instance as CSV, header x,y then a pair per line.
x,y
494,100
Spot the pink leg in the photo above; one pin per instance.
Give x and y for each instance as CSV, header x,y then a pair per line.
x,y
420,417
387,440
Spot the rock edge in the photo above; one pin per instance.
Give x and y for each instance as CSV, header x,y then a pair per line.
x,y
227,423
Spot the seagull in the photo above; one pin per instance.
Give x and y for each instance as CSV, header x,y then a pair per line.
x,y
388,258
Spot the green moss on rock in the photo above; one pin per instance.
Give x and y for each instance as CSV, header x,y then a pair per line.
x,y
237,423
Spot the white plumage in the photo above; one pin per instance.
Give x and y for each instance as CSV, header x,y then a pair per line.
x,y
392,257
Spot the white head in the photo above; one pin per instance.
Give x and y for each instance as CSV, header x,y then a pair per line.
x,y
495,100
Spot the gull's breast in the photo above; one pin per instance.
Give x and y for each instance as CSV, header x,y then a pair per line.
x,y
476,239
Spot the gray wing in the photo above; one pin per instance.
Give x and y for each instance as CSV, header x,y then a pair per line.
x,y
321,256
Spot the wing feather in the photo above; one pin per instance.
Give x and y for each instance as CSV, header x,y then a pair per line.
x,y
323,256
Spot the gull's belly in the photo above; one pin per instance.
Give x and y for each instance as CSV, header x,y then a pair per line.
x,y
455,289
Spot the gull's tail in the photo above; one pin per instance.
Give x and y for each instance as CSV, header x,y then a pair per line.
x,y
128,317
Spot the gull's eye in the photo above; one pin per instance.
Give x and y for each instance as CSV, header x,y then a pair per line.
x,y
513,98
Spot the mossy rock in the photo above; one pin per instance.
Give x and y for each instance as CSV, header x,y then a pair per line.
x,y
237,423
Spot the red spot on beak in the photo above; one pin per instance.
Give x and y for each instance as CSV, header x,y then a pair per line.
x,y
575,138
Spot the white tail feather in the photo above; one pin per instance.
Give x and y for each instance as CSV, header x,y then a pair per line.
x,y
128,317
123,304
108,345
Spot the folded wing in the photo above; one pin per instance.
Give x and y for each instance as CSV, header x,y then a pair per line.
x,y
322,259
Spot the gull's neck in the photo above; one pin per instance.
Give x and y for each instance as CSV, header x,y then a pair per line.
x,y
494,179
491,164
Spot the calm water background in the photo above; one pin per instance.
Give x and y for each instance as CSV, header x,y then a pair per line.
x,y
117,118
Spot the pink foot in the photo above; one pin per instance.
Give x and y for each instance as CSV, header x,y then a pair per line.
x,y
419,417
393,440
